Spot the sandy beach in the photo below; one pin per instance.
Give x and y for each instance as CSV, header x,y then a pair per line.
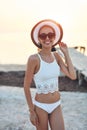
x,y
14,113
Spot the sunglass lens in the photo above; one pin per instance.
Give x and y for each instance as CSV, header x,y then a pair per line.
x,y
42,36
51,35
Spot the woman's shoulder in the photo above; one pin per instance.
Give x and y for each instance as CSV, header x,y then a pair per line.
x,y
56,54
33,58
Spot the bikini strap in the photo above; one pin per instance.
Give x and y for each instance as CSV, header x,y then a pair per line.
x,y
39,56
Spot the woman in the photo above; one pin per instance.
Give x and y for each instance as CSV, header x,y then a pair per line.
x,y
44,68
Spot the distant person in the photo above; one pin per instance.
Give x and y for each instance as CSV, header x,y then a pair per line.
x,y
44,67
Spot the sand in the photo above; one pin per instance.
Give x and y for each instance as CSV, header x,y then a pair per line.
x,y
14,113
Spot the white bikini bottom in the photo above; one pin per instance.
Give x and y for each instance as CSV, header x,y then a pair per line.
x,y
48,107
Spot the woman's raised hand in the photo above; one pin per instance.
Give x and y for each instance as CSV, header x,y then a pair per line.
x,y
63,47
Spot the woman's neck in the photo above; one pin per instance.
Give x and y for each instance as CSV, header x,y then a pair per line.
x,y
45,52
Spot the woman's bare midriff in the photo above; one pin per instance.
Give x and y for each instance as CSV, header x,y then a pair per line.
x,y
48,98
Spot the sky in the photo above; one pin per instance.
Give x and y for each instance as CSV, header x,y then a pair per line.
x,y
17,17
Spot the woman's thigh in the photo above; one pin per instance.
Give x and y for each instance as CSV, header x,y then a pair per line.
x,y
43,118
56,119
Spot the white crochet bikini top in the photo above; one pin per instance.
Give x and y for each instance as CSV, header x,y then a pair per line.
x,y
46,79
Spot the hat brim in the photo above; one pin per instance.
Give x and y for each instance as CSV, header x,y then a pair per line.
x,y
56,26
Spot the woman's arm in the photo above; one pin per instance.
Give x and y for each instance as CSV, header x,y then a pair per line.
x,y
66,67
30,70
28,80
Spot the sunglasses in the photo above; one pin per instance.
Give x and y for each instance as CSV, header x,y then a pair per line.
x,y
43,36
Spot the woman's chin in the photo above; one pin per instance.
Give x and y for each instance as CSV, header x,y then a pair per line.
x,y
47,44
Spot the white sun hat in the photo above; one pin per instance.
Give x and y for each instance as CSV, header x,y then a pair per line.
x,y
56,26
